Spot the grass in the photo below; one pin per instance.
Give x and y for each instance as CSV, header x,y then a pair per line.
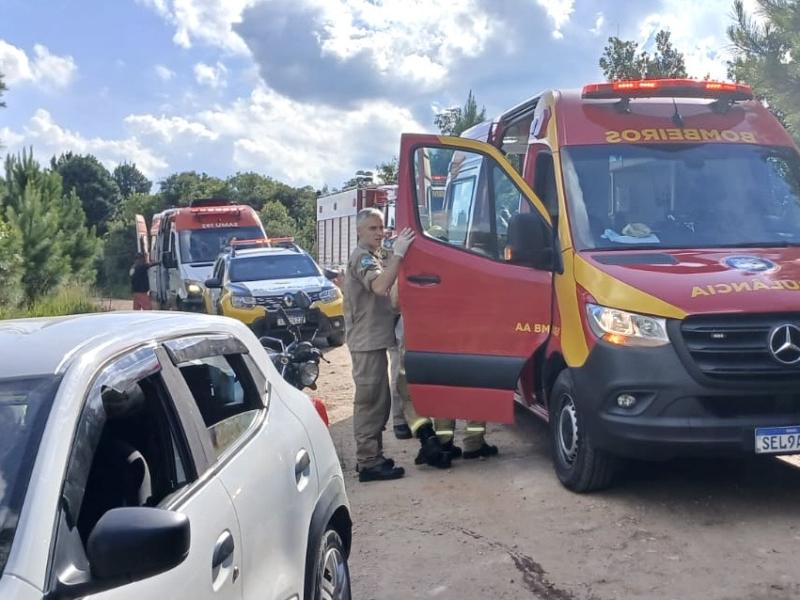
x,y
69,299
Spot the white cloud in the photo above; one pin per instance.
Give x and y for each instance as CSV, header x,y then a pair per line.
x,y
599,21
207,21
559,12
164,73
211,75
168,129
43,69
48,138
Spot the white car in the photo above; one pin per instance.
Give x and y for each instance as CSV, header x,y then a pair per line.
x,y
160,455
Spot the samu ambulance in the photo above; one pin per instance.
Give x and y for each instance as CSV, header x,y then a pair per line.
x,y
624,261
185,242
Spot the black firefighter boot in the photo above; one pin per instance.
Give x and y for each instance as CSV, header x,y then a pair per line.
x,y
431,451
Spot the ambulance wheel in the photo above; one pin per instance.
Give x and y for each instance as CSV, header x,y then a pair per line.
x,y
337,339
578,464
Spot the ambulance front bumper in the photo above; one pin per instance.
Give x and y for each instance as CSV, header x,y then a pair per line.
x,y
674,413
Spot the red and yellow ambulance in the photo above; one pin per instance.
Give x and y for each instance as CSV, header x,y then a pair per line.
x,y
624,261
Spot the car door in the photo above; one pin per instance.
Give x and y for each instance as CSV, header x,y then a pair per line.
x,y
263,457
472,318
161,433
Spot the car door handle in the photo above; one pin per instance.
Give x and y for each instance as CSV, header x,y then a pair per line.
x,y
424,279
301,464
223,551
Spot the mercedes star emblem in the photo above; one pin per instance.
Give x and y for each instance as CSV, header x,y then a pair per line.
x,y
784,343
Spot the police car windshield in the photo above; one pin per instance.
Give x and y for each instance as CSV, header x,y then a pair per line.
x,y
682,196
24,406
203,245
284,266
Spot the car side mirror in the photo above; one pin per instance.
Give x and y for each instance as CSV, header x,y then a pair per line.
x,y
213,283
531,243
130,544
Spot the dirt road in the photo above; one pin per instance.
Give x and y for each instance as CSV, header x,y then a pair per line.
x,y
505,528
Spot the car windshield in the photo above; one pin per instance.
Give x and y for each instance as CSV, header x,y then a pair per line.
x,y
203,245
24,406
286,266
679,196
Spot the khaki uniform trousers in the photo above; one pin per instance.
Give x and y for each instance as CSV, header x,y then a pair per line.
x,y
372,404
414,420
398,416
473,434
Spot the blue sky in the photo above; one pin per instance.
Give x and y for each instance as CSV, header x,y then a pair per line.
x,y
306,91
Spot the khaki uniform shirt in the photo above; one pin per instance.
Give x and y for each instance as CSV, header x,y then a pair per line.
x,y
369,318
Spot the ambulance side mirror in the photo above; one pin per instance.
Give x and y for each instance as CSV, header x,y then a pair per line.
x,y
531,243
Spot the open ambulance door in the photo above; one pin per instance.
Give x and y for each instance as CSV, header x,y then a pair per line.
x,y
476,285
142,237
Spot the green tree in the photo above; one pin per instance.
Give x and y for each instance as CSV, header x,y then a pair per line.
x,y
387,171
766,55
78,242
119,248
94,185
361,178
454,121
131,180
276,220
621,60
32,207
11,266
251,188
179,189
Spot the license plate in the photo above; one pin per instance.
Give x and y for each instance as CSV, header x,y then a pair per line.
x,y
296,318
778,440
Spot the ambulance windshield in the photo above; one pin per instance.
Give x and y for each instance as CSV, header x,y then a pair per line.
x,y
204,245
682,196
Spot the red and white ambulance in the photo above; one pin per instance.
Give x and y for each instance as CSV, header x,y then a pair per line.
x,y
185,242
627,257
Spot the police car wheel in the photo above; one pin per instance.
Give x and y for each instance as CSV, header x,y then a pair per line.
x,y
578,464
331,574
336,339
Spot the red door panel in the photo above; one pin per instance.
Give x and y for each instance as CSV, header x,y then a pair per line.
x,y
471,322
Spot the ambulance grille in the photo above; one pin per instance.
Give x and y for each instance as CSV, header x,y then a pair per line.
x,y
735,348
273,302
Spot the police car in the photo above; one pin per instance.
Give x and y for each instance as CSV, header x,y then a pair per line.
x,y
252,277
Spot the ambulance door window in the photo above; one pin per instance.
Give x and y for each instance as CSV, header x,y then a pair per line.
x,y
544,182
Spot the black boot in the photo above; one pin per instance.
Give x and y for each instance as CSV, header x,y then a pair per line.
x,y
453,450
431,451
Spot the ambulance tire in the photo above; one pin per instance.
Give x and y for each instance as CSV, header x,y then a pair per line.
x,y
337,339
578,464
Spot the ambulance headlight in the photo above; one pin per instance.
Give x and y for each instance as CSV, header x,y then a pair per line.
x,y
243,301
626,329
193,288
330,294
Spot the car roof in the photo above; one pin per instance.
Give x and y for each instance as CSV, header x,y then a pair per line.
x,y
30,347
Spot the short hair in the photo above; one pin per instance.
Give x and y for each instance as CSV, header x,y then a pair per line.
x,y
367,213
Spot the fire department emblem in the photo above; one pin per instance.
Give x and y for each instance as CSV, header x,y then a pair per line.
x,y
751,264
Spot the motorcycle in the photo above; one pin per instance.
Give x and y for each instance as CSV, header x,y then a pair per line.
x,y
298,361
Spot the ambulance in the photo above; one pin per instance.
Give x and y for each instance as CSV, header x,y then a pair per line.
x,y
185,242
624,261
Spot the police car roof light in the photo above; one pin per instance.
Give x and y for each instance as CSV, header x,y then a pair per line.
x,y
667,88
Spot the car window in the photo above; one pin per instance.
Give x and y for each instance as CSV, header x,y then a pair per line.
x,y
282,266
130,449
226,396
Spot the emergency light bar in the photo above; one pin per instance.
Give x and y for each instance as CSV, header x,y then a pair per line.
x,y
667,88
282,242
209,211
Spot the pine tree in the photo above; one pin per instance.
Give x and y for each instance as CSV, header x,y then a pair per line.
x,y
454,121
78,242
766,56
32,208
11,268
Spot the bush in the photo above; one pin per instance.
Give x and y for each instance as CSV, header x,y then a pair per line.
x,y
69,299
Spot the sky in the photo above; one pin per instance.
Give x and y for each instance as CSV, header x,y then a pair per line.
x,y
305,91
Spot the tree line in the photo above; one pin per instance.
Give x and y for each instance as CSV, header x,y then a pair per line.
x,y
72,221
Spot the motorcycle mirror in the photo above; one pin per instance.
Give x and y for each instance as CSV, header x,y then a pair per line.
x,y
272,343
302,299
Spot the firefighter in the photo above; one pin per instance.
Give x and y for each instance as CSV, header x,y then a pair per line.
x,y
369,322
475,445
